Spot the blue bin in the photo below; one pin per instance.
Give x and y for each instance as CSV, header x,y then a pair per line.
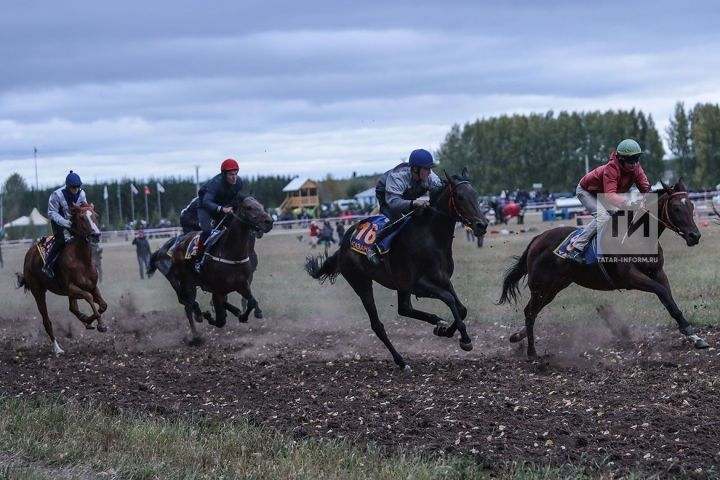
x,y
549,215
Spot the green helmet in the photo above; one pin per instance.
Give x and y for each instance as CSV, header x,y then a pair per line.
x,y
628,148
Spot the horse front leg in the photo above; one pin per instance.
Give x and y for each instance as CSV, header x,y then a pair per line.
x,y
427,288
406,309
252,304
219,300
77,292
660,286
98,298
75,310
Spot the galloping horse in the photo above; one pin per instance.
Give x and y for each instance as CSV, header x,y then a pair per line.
x,y
229,268
76,276
420,262
548,274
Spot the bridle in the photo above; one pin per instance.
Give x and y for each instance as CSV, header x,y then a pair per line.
x,y
666,214
452,207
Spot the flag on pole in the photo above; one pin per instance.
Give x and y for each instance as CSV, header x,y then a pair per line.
x,y
159,187
147,190
133,190
105,193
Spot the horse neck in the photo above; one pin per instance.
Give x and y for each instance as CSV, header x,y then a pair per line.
x,y
80,249
234,245
441,221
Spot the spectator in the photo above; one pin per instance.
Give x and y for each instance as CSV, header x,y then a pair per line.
x,y
314,230
340,229
142,249
96,252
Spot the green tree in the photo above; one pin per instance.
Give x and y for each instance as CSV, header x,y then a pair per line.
x,y
705,135
15,190
678,136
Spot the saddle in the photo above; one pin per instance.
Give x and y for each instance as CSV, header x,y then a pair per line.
x,y
364,233
191,250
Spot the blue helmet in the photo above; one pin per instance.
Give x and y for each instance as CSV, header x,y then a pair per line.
x,y
73,180
421,158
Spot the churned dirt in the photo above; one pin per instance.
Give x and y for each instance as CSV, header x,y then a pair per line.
x,y
608,394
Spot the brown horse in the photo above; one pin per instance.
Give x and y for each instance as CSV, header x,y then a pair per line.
x,y
229,265
548,274
420,262
76,276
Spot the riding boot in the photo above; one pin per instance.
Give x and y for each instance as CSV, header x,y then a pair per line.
x,y
50,260
373,256
201,251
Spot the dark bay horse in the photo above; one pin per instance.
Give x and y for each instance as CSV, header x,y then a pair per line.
x,y
548,274
228,268
419,263
76,276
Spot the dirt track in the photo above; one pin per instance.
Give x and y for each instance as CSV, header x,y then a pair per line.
x,y
650,403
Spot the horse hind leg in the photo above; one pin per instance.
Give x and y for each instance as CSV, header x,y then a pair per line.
x,y
75,310
219,301
363,288
252,303
42,308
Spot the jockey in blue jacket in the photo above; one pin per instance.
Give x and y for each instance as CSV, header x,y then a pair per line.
x,y
398,191
214,201
59,212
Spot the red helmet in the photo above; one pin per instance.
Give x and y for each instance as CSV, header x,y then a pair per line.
x,y
229,165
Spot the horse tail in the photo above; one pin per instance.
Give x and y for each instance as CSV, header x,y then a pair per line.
x,y
159,254
513,275
21,281
323,268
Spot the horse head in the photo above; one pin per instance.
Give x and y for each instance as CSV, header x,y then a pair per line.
x,y
84,222
464,203
676,212
251,212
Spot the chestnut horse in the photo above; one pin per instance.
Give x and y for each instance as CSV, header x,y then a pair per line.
x,y
548,274
76,276
420,262
228,268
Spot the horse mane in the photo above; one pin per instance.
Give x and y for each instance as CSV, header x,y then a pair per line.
x,y
435,194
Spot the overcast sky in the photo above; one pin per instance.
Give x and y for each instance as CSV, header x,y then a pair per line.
x,y
153,88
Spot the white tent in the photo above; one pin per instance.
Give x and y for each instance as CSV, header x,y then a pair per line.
x,y
35,218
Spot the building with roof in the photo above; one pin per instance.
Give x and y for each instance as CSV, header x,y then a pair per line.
x,y
301,193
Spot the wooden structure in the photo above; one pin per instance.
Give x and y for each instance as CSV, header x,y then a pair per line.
x,y
301,193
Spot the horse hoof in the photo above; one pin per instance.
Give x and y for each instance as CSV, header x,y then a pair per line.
x,y
196,341
516,337
258,314
440,328
89,327
466,346
406,369
102,328
701,343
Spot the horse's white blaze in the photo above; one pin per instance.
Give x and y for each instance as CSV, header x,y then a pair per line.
x,y
684,201
95,228
56,347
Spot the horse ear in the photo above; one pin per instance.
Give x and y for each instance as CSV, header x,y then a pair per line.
x,y
680,185
666,187
449,178
464,174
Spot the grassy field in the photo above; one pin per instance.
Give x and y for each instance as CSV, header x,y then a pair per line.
x,y
50,438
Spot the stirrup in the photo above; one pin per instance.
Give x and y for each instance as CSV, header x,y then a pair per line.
x,y
373,256
576,256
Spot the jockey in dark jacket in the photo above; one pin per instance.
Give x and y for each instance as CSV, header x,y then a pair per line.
x,y
215,198
189,217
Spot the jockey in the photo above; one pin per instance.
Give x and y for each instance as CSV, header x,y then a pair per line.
x,y
616,176
59,212
189,217
215,197
398,191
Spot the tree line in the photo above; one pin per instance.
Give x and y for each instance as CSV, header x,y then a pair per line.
x,y
508,152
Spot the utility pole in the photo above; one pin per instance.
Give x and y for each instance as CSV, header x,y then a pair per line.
x,y
37,188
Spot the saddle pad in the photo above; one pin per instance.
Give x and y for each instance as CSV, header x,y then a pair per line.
x,y
44,245
363,235
590,251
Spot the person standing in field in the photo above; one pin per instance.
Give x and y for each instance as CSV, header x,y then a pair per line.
x,y
142,249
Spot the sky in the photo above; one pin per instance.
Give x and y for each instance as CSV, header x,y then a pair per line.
x,y
155,88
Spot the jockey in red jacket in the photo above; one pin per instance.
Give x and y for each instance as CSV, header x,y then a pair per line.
x,y
616,176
